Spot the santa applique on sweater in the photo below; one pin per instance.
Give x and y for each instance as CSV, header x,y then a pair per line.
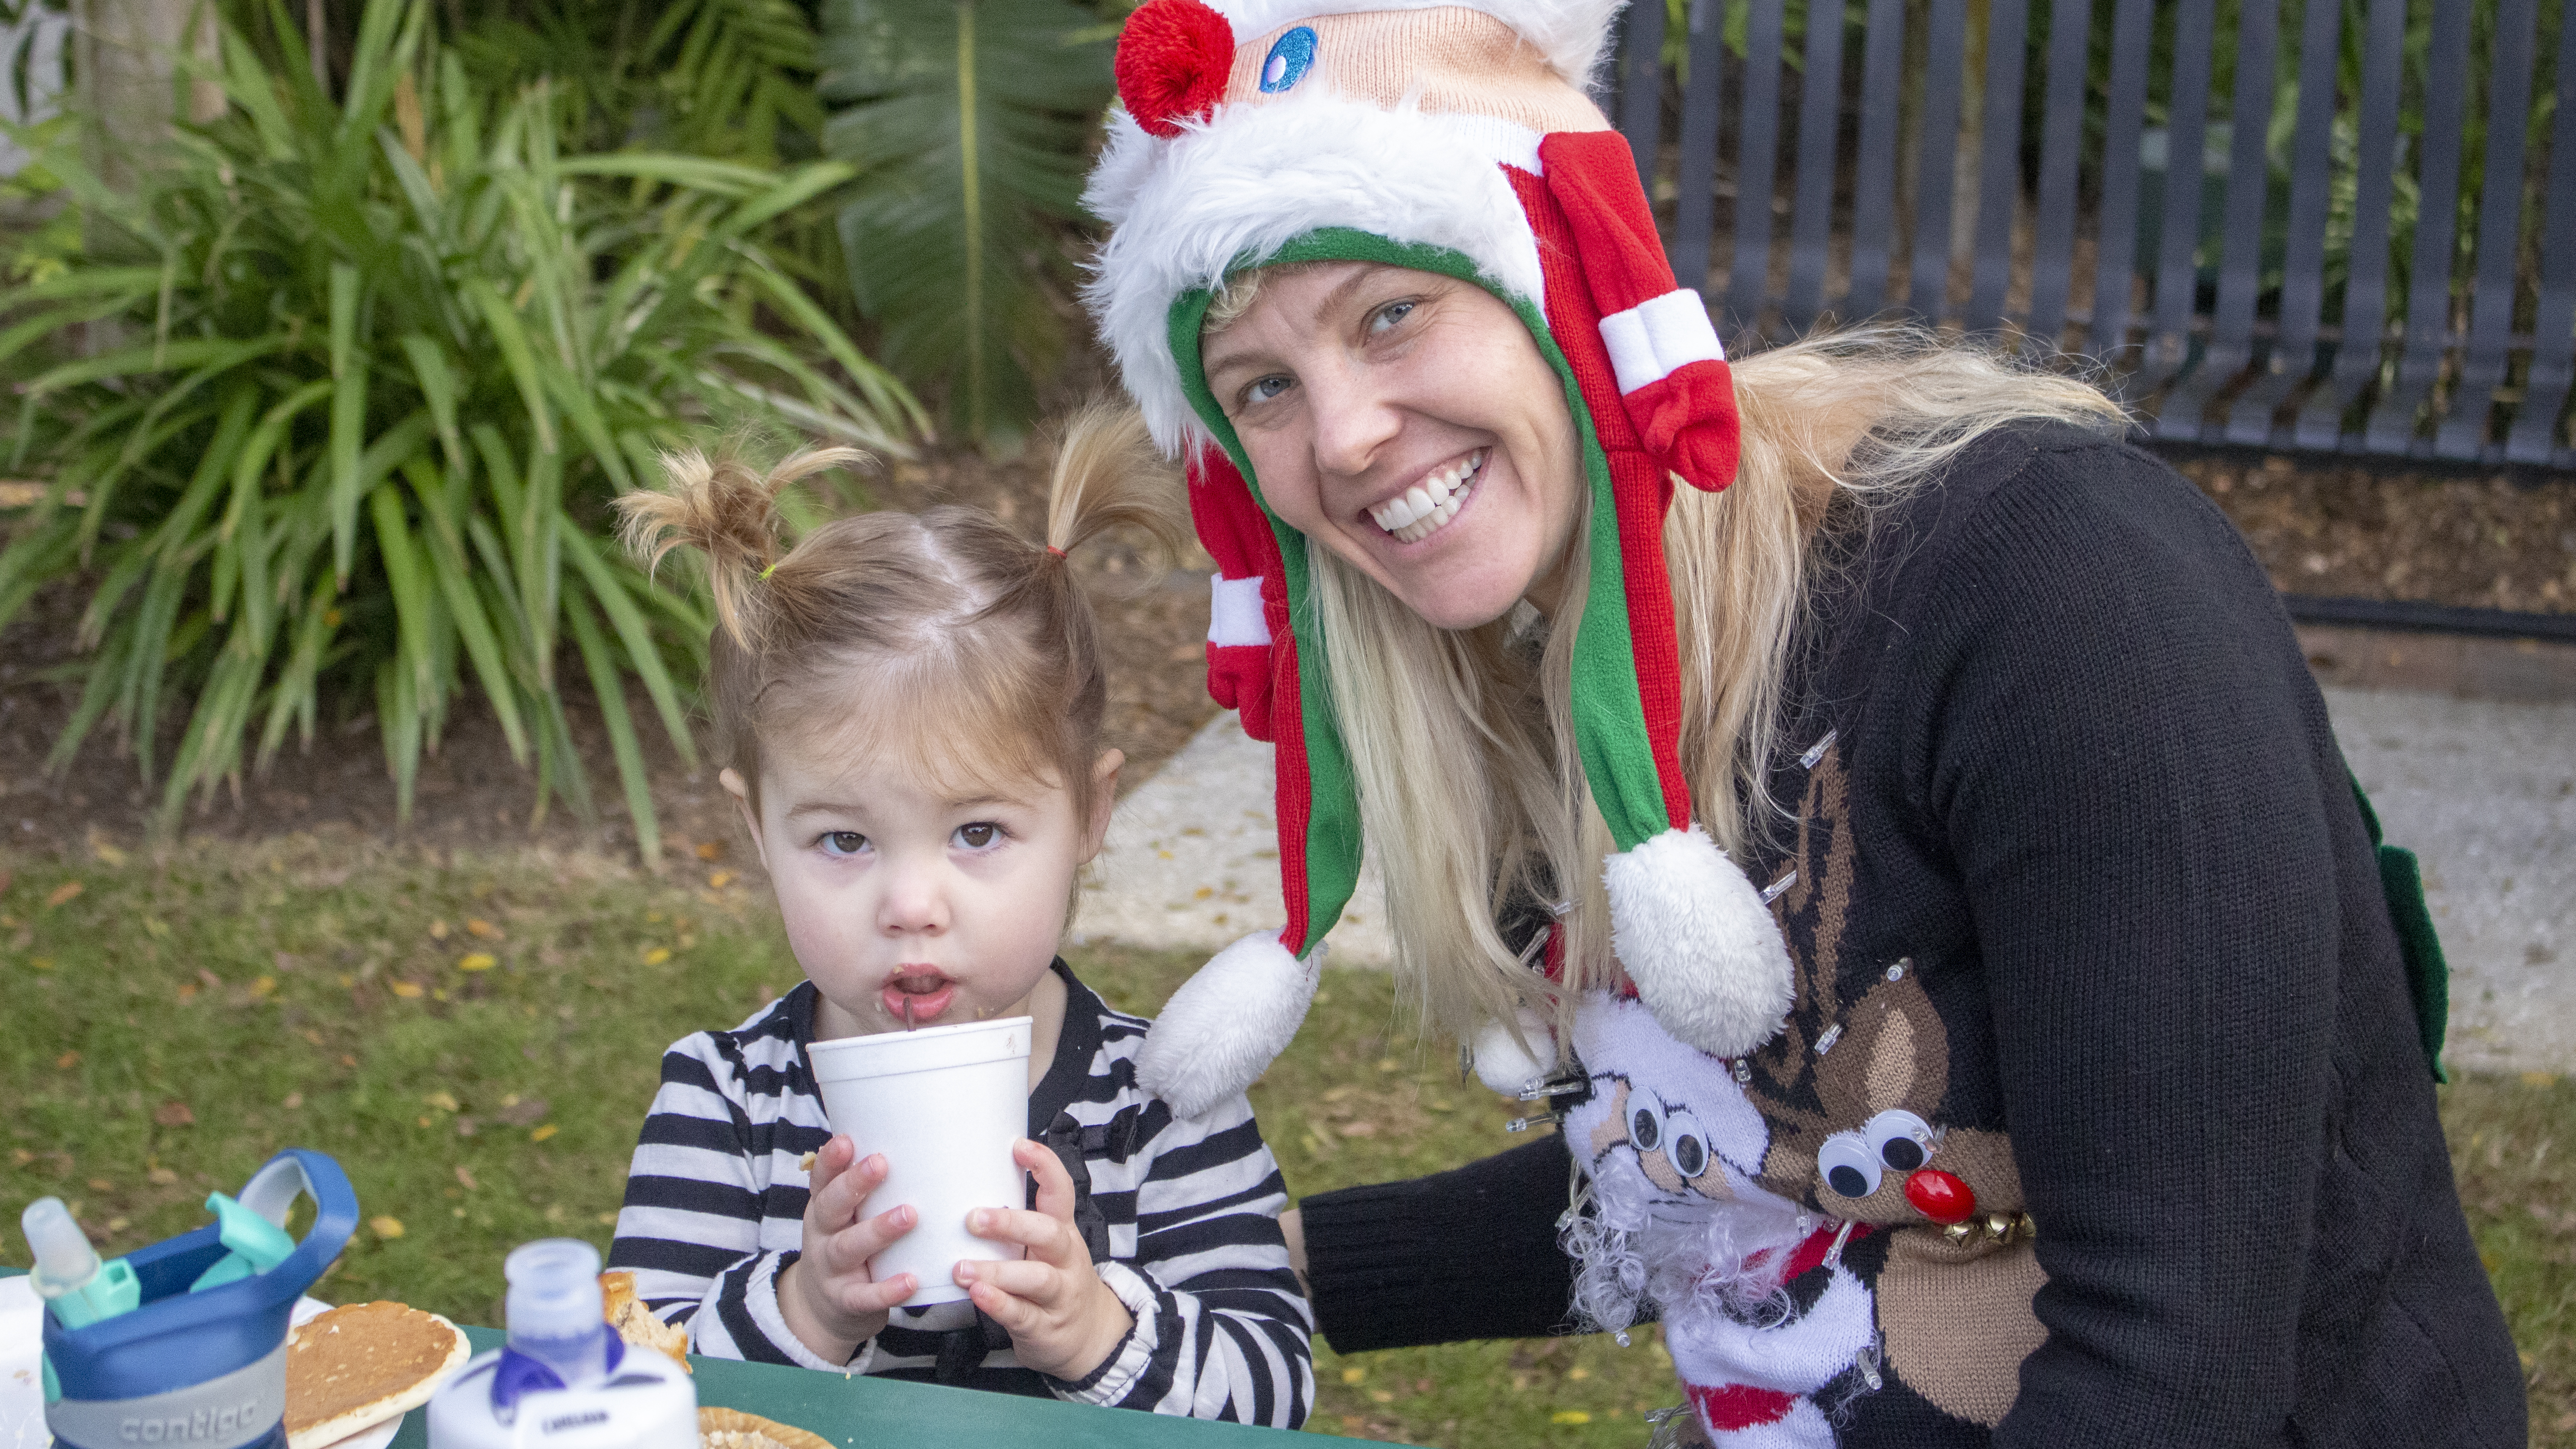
x,y
1768,1330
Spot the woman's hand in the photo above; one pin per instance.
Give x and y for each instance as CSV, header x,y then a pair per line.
x,y
827,1295
1062,1319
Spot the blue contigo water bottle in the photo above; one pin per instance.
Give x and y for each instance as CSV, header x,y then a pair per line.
x,y
183,1344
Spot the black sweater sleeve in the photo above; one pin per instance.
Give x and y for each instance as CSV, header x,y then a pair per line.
x,y
1465,1254
2114,740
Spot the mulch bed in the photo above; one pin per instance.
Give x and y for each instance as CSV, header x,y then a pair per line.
x,y
2498,542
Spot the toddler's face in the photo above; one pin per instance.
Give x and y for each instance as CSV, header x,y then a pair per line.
x,y
902,892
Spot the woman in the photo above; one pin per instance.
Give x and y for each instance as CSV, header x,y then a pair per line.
x,y
1921,872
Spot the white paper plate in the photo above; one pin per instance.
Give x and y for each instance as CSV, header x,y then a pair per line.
x,y
22,1382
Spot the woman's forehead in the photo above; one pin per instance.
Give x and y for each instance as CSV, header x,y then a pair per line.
x,y
1303,296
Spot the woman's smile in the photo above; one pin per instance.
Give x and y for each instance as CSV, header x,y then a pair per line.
x,y
1427,507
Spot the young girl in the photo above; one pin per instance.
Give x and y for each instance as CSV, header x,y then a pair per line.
x,y
908,710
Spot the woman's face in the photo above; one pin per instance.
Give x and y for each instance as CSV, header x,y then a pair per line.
x,y
1407,422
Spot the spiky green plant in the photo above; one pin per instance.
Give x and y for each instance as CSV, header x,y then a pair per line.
x,y
371,368
969,120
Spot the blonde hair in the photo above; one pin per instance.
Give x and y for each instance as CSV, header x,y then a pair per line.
x,y
1855,418
946,610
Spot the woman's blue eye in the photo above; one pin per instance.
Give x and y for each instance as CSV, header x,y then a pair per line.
x,y
1391,315
843,842
1264,389
979,835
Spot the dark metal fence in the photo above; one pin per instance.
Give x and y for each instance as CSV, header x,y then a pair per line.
x,y
2359,237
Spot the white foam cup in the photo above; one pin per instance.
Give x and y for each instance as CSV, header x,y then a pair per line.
x,y
944,1104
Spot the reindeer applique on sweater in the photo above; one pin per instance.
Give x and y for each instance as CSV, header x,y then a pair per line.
x,y
1817,1242
1852,1093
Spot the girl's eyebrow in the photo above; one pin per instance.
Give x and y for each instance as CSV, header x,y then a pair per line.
x,y
835,807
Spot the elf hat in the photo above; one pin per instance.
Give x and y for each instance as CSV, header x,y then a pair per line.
x,y
1455,139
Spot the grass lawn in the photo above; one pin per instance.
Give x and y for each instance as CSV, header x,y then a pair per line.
x,y
475,1039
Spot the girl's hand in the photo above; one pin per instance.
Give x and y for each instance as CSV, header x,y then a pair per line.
x,y
1062,1319
827,1295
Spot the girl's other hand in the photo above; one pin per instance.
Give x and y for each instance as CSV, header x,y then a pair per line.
x,y
1062,1319
827,1295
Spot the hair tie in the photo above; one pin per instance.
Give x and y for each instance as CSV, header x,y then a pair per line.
x,y
773,568
1051,548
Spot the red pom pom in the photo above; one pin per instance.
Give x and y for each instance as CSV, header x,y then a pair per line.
x,y
1173,58
1939,1196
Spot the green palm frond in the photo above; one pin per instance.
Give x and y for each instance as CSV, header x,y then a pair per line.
x,y
381,362
969,121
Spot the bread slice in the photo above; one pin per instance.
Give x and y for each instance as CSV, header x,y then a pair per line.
x,y
734,1429
358,1365
636,1324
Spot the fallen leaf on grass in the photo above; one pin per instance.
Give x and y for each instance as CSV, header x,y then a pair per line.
x,y
711,850
720,880
386,1227
294,1101
1569,1416
465,1178
41,963
1381,1396
98,1184
521,1113
482,930
1359,1129
657,955
174,1114
2540,1079
438,930
1354,1375
409,990
161,1177
64,893
542,1133
443,1101
187,992
2565,1422
66,1061
478,961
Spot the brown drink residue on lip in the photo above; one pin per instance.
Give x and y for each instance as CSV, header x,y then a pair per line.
x,y
358,1355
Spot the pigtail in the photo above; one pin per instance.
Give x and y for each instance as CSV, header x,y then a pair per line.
x,y
1108,474
728,513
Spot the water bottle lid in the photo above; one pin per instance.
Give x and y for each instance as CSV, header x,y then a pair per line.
x,y
554,1290
64,1258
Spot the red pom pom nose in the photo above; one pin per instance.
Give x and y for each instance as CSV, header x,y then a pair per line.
x,y
1173,58
1939,1196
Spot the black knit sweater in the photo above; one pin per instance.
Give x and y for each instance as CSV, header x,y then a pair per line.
x,y
2075,776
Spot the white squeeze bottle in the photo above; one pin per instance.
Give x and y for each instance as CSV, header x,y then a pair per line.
x,y
565,1380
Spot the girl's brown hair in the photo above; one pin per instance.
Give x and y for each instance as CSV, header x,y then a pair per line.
x,y
980,641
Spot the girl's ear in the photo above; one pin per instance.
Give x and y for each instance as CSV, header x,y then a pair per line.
x,y
735,786
1104,796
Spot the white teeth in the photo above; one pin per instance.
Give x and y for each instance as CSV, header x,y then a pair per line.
x,y
1421,510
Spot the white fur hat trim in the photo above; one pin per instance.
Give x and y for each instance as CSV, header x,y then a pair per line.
x,y
1227,1023
1693,934
1257,177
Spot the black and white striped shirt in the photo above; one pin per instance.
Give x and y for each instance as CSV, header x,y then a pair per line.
x,y
1182,1215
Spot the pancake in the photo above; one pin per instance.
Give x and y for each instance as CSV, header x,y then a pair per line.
x,y
734,1429
358,1365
